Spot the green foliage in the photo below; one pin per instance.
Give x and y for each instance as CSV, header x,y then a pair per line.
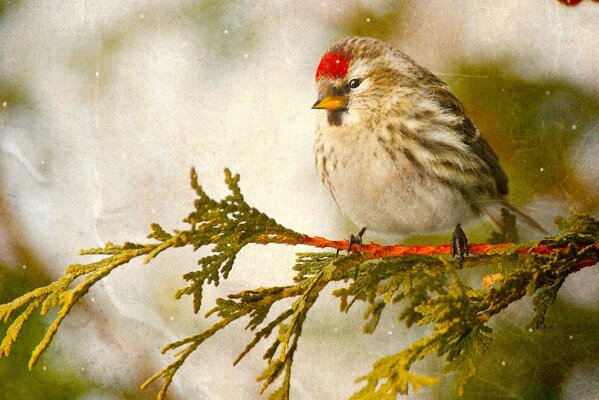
x,y
55,380
391,375
223,225
60,294
541,303
578,228
521,364
53,384
432,291
229,225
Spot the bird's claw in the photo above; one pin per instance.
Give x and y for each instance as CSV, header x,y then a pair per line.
x,y
355,239
459,243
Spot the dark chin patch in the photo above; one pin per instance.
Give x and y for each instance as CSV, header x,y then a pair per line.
x,y
335,117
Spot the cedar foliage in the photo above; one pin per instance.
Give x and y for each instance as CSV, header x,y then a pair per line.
x,y
425,290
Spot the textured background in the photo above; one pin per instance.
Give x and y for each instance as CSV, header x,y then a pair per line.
x,y
105,105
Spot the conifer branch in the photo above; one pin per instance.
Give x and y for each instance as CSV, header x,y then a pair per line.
x,y
419,283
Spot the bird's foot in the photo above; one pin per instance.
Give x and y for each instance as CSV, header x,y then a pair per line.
x,y
459,243
355,239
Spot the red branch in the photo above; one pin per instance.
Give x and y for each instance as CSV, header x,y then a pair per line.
x,y
400,250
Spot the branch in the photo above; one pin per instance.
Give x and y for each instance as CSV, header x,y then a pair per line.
x,y
399,250
421,283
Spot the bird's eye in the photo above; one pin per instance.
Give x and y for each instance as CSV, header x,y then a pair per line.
x,y
354,83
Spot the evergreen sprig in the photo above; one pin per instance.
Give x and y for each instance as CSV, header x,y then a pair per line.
x,y
420,284
229,225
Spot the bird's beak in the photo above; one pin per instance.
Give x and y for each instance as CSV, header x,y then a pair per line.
x,y
331,103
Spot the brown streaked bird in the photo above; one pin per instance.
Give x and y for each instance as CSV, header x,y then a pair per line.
x,y
396,149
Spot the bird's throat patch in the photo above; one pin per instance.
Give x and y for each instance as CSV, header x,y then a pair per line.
x,y
334,64
335,117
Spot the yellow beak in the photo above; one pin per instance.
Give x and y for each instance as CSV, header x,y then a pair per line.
x,y
331,103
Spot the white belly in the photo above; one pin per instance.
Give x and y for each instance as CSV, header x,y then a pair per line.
x,y
388,196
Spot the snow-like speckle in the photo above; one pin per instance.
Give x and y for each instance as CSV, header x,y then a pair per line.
x,y
117,150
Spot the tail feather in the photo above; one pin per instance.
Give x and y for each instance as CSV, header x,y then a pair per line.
x,y
521,216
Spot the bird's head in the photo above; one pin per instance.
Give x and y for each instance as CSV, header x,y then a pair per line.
x,y
360,78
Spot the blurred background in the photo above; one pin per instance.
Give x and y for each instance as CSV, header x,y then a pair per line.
x,y
105,106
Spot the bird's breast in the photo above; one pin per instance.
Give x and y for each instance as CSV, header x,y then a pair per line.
x,y
376,183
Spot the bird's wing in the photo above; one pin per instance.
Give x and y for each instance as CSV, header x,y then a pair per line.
x,y
470,135
440,93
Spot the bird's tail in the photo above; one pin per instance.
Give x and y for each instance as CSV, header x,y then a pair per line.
x,y
494,215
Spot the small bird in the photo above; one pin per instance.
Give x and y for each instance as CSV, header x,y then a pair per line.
x,y
396,149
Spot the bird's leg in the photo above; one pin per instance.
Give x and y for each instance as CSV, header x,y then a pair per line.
x,y
355,239
358,240
459,243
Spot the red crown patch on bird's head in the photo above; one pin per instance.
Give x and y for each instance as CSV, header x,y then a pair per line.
x,y
334,64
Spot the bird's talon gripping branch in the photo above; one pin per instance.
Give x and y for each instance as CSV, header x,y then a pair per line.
x,y
459,243
357,239
354,239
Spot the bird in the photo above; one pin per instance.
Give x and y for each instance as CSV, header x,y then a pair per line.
x,y
396,149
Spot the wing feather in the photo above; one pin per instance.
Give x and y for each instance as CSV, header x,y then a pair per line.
x,y
439,92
